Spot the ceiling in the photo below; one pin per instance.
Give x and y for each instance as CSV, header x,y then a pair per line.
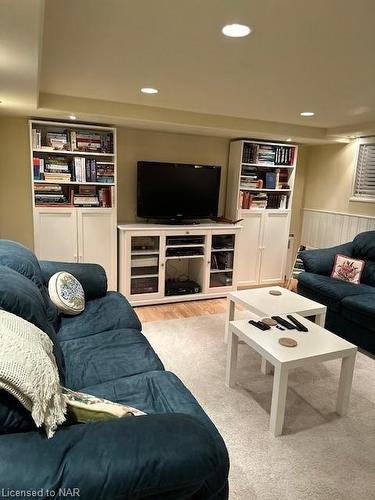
x,y
97,54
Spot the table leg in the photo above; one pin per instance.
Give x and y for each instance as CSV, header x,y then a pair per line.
x,y
230,375
280,388
345,384
320,319
266,367
229,317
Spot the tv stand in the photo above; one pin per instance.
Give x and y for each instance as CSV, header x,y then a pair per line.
x,y
160,263
177,222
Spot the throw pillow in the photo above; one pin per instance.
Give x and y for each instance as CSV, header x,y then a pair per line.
x,y
347,269
85,408
66,293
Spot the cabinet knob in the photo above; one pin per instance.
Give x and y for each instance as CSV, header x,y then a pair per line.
x,y
208,262
187,232
162,264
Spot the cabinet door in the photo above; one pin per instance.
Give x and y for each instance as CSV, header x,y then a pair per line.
x,y
274,247
248,260
221,263
97,241
144,266
55,234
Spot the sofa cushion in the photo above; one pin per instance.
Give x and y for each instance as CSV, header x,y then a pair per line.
x,y
153,392
110,312
329,291
20,296
107,356
361,310
364,246
13,415
21,259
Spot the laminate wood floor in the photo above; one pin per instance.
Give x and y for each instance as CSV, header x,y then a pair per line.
x,y
181,310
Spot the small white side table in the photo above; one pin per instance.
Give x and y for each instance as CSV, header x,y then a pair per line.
x,y
261,302
314,346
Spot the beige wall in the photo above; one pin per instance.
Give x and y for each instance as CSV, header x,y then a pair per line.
x,y
15,182
329,179
134,145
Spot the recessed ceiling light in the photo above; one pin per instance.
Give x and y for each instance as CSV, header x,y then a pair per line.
x,y
236,30
149,90
288,140
307,113
72,117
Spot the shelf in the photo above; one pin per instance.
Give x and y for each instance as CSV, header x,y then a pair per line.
x,y
75,183
188,245
221,271
68,152
144,276
266,190
184,257
261,165
145,252
222,250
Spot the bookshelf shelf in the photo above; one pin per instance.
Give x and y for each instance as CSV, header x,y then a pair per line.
x,y
262,165
62,152
75,183
74,180
266,190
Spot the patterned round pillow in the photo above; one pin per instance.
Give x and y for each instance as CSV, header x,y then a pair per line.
x,y
66,293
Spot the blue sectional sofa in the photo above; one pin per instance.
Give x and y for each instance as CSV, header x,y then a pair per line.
x,y
350,307
173,452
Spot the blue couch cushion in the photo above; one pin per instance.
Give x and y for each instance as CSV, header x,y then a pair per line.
x,y
110,312
361,310
20,296
152,392
329,291
107,356
13,415
363,246
21,259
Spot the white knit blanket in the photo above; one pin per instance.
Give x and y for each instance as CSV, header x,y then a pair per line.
x,y
28,371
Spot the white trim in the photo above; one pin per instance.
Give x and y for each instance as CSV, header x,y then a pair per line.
x,y
338,213
364,200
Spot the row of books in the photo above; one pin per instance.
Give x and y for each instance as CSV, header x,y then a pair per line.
x,y
262,200
53,194
79,169
265,154
73,140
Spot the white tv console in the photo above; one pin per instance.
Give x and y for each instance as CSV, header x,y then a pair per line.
x,y
156,260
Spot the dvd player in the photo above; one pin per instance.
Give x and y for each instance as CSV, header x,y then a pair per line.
x,y
181,287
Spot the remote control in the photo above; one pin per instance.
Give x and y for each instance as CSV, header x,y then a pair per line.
x,y
260,325
284,323
299,325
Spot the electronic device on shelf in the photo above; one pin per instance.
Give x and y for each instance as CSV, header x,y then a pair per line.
x,y
185,240
283,322
181,287
177,191
184,252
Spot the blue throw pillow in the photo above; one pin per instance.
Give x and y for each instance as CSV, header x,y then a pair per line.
x,y
22,297
21,259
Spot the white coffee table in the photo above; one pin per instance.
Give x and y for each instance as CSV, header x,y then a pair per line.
x,y
261,302
314,346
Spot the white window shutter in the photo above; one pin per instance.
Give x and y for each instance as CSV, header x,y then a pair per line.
x,y
364,184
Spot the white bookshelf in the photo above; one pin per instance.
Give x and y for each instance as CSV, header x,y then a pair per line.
x,y
263,241
69,228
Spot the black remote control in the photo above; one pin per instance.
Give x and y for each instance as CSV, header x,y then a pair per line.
x,y
299,325
284,323
260,325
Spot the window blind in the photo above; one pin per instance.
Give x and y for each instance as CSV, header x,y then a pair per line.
x,y
364,185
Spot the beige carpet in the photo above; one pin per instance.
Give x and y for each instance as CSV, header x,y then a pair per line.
x,y
320,456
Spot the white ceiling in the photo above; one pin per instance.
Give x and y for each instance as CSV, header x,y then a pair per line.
x,y
302,56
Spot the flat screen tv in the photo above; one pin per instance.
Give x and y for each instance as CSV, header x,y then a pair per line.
x,y
177,191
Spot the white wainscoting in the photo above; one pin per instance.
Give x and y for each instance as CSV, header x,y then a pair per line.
x,y
322,229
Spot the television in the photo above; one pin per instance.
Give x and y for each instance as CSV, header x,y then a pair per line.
x,y
177,191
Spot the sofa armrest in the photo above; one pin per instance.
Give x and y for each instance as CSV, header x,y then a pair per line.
x,y
153,456
321,261
91,276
